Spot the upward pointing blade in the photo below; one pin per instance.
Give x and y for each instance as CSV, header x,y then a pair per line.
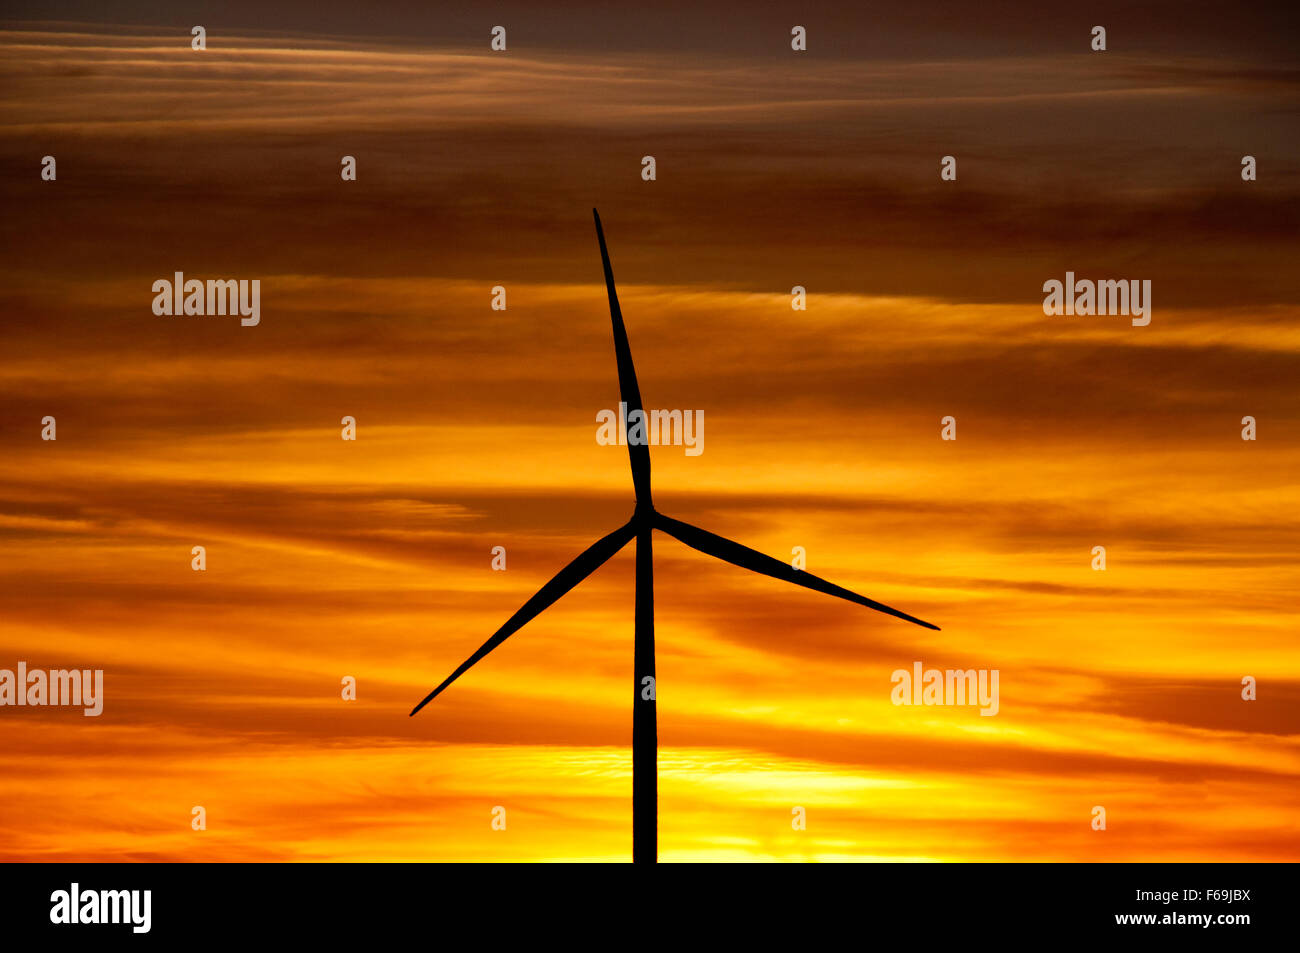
x,y
630,394
724,549
564,580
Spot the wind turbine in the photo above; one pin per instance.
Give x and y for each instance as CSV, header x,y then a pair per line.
x,y
645,519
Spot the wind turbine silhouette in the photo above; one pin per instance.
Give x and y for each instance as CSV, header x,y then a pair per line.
x,y
645,518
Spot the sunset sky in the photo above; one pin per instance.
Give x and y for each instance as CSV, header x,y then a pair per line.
x,y
476,428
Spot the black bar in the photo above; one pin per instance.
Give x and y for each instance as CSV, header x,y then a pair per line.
x,y
976,905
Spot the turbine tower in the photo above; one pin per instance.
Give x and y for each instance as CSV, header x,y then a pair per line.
x,y
645,519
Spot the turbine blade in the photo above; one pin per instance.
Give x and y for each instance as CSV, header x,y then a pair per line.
x,y
564,580
629,392
713,545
